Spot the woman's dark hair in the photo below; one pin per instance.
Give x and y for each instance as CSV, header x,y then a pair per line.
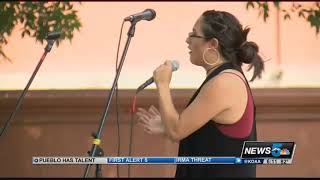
x,y
232,38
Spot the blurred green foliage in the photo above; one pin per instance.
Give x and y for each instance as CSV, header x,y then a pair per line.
x,y
310,11
37,19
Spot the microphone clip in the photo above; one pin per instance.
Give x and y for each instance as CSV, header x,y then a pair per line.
x,y
51,37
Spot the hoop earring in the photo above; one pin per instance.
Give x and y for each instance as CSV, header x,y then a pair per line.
x,y
204,59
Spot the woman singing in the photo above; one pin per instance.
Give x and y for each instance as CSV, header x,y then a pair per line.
x,y
220,115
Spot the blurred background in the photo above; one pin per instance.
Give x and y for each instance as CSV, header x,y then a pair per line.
x,y
67,97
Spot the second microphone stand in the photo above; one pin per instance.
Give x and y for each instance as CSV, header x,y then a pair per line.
x,y
96,141
51,38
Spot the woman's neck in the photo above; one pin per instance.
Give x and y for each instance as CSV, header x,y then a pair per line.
x,y
212,68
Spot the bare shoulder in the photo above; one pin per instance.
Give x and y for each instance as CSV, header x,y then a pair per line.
x,y
227,79
227,90
224,98
225,87
231,73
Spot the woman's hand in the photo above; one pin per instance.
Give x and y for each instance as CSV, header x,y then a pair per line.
x,y
162,75
151,121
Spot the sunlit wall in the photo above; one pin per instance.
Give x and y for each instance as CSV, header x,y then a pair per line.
x,y
88,62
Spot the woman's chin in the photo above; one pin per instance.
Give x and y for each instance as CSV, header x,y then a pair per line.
x,y
194,61
191,60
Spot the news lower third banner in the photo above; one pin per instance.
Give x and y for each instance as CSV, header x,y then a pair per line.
x,y
253,152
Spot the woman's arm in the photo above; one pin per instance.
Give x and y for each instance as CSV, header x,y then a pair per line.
x,y
211,101
169,114
216,96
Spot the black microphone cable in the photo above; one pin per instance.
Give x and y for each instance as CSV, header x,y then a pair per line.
x,y
116,98
132,111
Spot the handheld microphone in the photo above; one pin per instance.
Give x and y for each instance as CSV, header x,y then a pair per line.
x,y
175,66
148,14
53,35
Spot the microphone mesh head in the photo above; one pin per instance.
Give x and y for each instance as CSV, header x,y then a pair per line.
x,y
152,12
175,65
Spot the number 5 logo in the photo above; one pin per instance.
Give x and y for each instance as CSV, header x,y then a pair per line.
x,y
276,149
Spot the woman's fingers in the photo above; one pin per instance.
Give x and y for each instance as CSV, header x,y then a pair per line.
x,y
149,120
144,123
155,110
142,119
147,129
152,112
143,115
146,126
144,112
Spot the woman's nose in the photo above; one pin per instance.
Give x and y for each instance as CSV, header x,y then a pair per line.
x,y
188,40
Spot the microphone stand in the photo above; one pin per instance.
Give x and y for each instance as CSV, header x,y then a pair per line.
x,y
20,100
96,142
99,153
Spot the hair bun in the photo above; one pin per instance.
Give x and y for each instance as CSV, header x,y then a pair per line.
x,y
248,51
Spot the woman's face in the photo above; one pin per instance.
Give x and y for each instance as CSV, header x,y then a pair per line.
x,y
196,44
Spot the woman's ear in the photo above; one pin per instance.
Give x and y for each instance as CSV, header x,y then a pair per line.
x,y
214,43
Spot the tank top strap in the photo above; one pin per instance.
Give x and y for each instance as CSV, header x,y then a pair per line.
x,y
210,76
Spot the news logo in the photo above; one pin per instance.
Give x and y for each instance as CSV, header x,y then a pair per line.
x,y
261,149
